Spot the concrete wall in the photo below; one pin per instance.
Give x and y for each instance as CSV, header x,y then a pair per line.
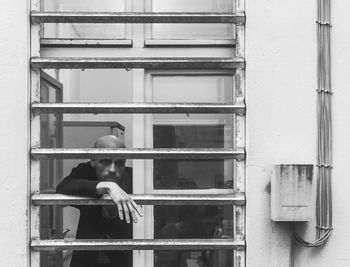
x,y
281,121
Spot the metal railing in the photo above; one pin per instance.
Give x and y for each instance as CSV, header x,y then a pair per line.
x,y
237,200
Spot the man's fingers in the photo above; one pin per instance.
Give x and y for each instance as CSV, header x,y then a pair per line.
x,y
120,211
137,207
132,210
126,211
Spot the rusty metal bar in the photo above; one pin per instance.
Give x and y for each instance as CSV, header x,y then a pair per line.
x,y
239,230
136,17
208,108
161,199
136,62
138,153
34,223
136,244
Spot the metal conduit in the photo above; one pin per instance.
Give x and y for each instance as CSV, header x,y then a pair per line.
x,y
324,133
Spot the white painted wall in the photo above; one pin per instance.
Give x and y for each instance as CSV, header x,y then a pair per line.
x,y
281,121
14,121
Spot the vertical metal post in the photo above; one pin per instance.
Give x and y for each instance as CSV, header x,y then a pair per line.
x,y
239,135
35,135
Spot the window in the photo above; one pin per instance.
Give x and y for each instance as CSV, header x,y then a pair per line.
x,y
193,33
179,107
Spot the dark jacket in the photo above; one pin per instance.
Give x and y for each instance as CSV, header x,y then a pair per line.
x,y
82,181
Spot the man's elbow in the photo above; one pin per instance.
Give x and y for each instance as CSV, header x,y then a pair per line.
x,y
61,188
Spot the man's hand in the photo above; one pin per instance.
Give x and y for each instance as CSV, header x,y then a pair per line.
x,y
125,203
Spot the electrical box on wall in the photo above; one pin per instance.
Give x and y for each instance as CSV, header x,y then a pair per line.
x,y
291,192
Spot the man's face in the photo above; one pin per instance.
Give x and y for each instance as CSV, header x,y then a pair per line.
x,y
109,169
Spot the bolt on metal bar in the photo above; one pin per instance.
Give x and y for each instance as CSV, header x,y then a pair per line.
x,y
161,199
138,153
136,244
211,108
137,17
135,62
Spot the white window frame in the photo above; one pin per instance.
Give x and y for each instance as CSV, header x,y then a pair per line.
x,y
139,74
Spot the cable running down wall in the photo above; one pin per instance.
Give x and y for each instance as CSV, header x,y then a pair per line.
x,y
324,131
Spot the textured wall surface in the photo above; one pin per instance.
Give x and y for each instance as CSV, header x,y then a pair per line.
x,y
281,124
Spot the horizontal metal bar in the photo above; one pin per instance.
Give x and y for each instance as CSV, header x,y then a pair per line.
x,y
161,199
190,42
65,42
136,244
184,108
136,62
137,17
138,153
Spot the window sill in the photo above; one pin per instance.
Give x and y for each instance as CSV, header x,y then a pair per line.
x,y
67,42
190,42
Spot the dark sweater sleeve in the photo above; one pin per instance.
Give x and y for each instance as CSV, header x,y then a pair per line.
x,y
78,183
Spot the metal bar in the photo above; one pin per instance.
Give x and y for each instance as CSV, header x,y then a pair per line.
x,y
240,137
51,81
136,244
65,42
34,181
135,62
136,17
208,108
161,199
137,153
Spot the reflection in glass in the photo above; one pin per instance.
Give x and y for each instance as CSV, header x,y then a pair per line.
x,y
190,174
192,131
84,30
202,222
192,30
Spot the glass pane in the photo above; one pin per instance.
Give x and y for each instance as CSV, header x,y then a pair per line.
x,y
192,30
192,131
84,30
216,88
190,174
202,222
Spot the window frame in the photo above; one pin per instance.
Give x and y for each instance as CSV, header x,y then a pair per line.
x,y
35,141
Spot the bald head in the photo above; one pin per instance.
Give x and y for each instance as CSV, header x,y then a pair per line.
x,y
109,168
109,141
